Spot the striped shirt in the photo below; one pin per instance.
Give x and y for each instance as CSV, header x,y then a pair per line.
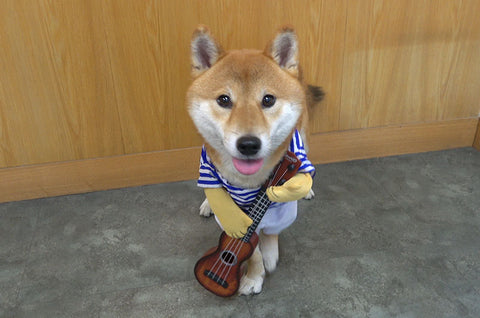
x,y
211,178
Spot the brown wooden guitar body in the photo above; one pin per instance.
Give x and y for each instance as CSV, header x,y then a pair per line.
x,y
219,269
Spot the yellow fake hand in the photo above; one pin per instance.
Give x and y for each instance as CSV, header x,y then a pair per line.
x,y
294,189
234,221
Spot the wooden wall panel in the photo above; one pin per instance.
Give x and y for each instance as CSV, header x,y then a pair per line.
x,y
392,140
476,141
320,26
91,79
30,107
56,92
87,78
410,61
144,67
52,179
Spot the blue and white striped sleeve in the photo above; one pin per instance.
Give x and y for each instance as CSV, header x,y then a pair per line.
x,y
297,147
208,175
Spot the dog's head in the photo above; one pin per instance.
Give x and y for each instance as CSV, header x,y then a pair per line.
x,y
246,103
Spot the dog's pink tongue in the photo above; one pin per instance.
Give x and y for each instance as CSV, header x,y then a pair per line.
x,y
247,166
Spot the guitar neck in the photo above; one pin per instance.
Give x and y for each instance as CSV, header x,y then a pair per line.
x,y
256,211
286,169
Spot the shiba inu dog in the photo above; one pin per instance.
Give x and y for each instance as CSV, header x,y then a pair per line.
x,y
250,106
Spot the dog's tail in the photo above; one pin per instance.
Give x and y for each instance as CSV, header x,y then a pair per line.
x,y
315,95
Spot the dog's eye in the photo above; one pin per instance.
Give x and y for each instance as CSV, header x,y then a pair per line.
x,y
224,101
268,100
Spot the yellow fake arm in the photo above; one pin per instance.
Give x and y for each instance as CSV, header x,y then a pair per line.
x,y
294,189
234,221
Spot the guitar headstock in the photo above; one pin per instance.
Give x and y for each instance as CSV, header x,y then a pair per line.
x,y
286,169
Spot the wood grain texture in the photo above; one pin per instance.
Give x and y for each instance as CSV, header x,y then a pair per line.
x,y
79,176
394,140
87,79
476,142
56,93
410,61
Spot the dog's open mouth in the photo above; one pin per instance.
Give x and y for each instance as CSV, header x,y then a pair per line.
x,y
247,166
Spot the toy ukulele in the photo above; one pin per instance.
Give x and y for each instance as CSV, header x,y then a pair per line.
x,y
219,269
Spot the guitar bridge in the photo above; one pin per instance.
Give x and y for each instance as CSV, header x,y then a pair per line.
x,y
215,278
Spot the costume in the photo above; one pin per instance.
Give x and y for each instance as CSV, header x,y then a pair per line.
x,y
279,215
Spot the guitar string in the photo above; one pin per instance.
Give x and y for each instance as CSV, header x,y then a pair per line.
x,y
219,261
235,251
264,203
228,247
236,244
260,204
260,207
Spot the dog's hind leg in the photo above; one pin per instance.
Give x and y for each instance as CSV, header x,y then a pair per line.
x,y
205,209
252,281
310,195
269,248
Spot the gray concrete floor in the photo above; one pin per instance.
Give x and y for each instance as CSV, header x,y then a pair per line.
x,y
389,237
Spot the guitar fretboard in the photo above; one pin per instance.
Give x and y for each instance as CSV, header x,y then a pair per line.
x,y
287,168
256,211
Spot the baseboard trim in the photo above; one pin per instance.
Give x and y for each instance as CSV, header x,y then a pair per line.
x,y
476,142
53,179
390,141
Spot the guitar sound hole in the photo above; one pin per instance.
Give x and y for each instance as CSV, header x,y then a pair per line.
x,y
228,258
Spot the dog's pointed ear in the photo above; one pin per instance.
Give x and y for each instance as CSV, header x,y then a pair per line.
x,y
284,50
205,50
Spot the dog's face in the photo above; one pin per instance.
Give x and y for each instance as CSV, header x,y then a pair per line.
x,y
245,104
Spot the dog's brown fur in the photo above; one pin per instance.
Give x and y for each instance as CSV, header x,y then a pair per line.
x,y
246,76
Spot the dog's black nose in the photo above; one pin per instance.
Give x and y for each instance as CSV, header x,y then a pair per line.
x,y
249,145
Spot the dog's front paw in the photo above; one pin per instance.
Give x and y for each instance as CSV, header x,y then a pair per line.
x,y
310,195
249,286
205,209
